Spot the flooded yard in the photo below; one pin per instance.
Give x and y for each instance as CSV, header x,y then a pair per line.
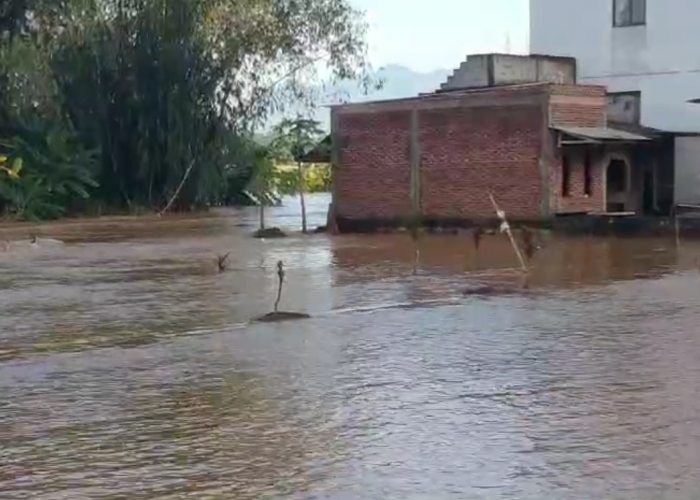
x,y
129,369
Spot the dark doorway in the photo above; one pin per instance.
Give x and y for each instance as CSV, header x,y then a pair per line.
x,y
616,186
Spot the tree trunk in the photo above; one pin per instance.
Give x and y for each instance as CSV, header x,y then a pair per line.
x,y
302,190
262,215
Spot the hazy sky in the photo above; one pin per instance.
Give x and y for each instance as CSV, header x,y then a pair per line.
x,y
431,34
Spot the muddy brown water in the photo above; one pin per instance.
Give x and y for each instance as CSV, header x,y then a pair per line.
x,y
128,369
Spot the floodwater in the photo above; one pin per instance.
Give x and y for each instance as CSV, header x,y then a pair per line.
x,y
128,368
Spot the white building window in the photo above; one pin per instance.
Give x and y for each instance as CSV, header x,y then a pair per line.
x,y
629,13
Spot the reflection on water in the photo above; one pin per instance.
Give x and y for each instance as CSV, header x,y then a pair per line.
x,y
128,369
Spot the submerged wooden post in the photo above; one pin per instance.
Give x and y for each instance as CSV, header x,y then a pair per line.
x,y
477,233
221,261
302,198
528,242
277,315
280,276
504,222
676,224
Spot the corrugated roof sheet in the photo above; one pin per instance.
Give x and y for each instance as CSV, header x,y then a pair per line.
x,y
601,134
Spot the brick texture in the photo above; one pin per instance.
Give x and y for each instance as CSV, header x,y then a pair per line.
x,y
467,152
577,200
486,141
577,115
578,90
373,179
578,106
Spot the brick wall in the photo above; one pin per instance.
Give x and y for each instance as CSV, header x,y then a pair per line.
x,y
578,106
469,145
373,178
598,91
577,200
467,152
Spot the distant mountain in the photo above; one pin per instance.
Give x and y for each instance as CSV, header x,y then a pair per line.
x,y
399,82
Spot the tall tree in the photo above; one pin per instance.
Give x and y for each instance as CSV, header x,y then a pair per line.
x,y
167,92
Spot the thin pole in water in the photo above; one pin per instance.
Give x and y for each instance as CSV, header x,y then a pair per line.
x,y
302,195
502,216
280,276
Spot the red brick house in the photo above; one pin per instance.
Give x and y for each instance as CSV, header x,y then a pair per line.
x,y
543,149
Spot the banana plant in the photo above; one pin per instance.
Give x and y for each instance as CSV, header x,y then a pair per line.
x,y
54,173
13,168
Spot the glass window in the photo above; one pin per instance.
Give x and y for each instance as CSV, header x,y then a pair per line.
x,y
629,12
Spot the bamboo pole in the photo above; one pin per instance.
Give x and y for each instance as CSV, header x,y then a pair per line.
x,y
504,222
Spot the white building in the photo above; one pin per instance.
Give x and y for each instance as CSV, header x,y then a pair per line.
x,y
647,52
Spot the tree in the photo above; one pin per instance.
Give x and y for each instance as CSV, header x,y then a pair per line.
x,y
263,179
299,136
166,92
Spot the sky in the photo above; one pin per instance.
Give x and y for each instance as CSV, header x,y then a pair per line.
x,y
426,35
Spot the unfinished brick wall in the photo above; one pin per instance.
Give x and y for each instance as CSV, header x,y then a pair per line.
x,y
467,152
578,106
373,178
577,201
470,144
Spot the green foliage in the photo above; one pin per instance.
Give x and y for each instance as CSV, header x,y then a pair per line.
x,y
318,179
292,140
295,138
123,101
55,173
287,181
263,179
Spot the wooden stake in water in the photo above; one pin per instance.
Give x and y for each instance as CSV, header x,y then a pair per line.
x,y
414,228
221,261
280,276
506,227
477,233
302,195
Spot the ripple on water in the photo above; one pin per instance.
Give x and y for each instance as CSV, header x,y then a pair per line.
x,y
123,377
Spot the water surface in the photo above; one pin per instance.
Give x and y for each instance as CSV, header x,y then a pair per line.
x,y
128,368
